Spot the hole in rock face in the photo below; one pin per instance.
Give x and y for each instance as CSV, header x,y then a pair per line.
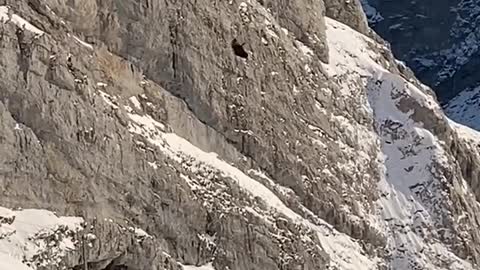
x,y
238,49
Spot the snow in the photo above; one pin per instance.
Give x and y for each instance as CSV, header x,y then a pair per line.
x,y
395,26
28,234
464,108
350,52
6,213
111,101
135,102
462,51
83,43
153,165
140,234
19,21
306,51
409,152
147,122
101,84
425,61
146,125
9,263
465,132
210,240
451,57
407,168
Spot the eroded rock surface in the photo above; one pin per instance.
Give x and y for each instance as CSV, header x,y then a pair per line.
x,y
180,152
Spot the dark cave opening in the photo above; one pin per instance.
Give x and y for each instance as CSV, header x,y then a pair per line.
x,y
238,49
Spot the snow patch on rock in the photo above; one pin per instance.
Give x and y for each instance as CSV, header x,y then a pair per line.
x,y
208,266
7,15
30,238
464,108
83,43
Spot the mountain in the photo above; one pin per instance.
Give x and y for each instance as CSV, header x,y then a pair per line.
x,y
439,41
236,135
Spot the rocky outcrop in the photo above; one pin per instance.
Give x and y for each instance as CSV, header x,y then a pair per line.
x,y
348,12
236,135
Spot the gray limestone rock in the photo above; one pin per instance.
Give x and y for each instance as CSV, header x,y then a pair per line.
x,y
70,142
348,12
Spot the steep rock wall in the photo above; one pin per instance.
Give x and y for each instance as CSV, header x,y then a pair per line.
x,y
265,157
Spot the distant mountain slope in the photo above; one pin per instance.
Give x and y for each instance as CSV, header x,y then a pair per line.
x,y
437,39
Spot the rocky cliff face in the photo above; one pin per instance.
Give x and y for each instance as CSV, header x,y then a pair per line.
x,y
223,135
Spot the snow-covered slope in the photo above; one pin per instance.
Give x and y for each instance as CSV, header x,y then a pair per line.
x,y
440,43
33,238
7,15
412,200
